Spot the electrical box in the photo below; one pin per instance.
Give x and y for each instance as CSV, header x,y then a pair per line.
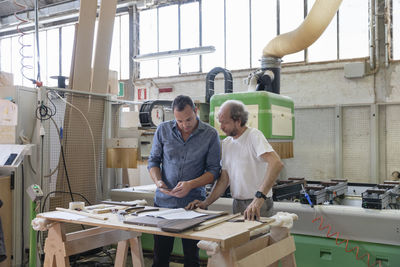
x,y
354,70
271,113
34,192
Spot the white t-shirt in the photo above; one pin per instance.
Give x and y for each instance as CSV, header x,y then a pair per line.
x,y
241,159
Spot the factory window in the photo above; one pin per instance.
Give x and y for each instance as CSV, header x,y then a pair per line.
x,y
396,29
189,36
148,42
213,33
168,36
53,56
237,35
5,55
262,30
325,48
239,30
353,29
290,17
67,44
17,53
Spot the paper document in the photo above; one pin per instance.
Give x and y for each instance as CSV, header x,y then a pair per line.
x,y
176,214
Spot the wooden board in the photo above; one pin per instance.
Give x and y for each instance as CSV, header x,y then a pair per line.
x,y
122,158
283,149
6,217
84,46
228,234
103,46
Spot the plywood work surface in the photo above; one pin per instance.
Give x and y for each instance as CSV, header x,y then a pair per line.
x,y
228,234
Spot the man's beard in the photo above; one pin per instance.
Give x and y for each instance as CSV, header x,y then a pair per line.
x,y
234,132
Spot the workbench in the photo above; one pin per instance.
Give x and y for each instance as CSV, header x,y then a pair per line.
x,y
235,246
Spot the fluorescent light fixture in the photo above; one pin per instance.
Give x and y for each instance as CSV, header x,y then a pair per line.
x,y
175,53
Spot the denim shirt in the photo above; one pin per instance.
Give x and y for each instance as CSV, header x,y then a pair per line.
x,y
184,161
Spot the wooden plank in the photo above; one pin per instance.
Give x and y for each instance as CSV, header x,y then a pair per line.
x,y
6,215
136,252
103,46
98,240
270,254
84,45
215,221
122,252
252,247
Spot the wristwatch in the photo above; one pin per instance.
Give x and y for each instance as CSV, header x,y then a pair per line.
x,y
260,195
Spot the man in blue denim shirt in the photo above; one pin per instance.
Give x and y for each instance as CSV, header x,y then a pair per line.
x,y
184,157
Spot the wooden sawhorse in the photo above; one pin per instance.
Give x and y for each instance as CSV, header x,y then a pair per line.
x,y
263,251
59,246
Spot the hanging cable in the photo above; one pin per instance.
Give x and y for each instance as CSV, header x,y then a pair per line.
x,y
24,57
338,242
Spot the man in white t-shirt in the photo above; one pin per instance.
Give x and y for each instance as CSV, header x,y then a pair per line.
x,y
249,165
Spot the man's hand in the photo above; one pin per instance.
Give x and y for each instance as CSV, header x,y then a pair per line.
x,y
253,210
161,184
196,204
181,189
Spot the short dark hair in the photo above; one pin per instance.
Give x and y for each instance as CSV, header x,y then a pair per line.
x,y
181,101
237,110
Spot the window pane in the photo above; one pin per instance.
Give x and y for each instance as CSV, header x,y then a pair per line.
x,y
237,34
148,69
168,39
190,64
353,29
213,33
168,28
148,42
67,37
52,56
148,31
291,16
396,29
263,23
43,56
190,35
168,67
325,48
114,56
125,47
5,55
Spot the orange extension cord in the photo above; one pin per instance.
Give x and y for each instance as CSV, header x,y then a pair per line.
x,y
329,235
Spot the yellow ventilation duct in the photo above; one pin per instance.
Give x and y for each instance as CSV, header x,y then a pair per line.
x,y
307,33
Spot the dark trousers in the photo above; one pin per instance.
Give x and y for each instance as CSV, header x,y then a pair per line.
x,y
163,246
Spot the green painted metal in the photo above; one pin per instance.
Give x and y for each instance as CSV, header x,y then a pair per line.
x,y
312,251
264,100
32,238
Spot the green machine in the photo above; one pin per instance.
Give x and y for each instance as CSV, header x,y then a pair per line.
x,y
271,113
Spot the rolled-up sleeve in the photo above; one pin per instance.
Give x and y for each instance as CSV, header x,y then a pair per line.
x,y
155,158
213,162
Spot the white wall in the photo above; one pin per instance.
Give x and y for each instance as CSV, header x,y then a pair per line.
x,y
319,91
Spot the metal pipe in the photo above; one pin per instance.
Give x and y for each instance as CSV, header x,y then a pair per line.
x,y
307,33
371,34
37,39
